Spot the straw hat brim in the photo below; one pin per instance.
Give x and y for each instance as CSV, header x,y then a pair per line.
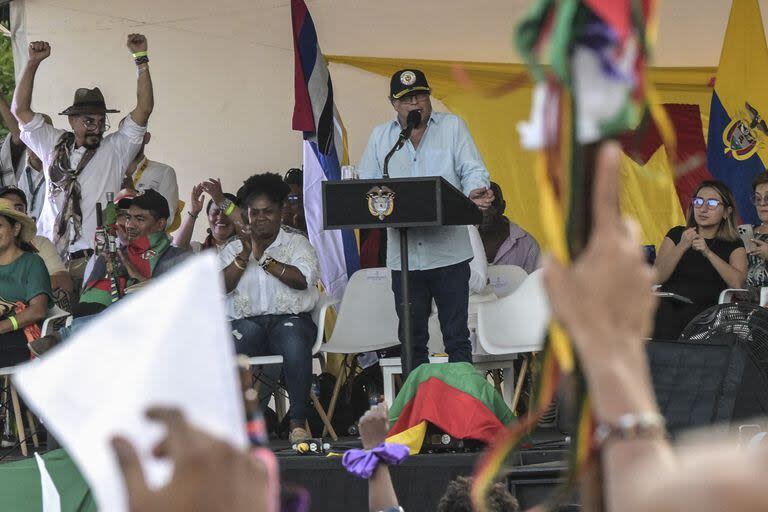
x,y
28,227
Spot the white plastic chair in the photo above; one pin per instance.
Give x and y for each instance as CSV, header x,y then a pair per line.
x,y
318,317
515,324
504,279
366,321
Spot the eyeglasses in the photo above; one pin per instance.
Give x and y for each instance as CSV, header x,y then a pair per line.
x,y
414,98
91,123
698,202
294,198
757,199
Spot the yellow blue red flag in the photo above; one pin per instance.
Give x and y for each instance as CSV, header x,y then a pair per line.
x,y
736,146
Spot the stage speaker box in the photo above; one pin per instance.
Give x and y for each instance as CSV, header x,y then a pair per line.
x,y
699,384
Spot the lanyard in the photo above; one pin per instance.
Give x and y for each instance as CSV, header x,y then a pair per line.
x,y
137,174
33,199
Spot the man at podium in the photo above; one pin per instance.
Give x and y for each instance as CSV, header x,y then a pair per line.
x,y
439,144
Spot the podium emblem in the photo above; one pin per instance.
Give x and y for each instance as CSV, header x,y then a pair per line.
x,y
381,202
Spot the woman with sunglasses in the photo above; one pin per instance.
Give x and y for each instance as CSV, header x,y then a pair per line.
x,y
700,259
757,275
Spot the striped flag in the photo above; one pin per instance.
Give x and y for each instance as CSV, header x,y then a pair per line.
x,y
325,150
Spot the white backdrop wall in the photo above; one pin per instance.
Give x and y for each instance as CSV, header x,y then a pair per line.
x,y
223,70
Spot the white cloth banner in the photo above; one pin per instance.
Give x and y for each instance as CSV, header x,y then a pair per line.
x,y
167,345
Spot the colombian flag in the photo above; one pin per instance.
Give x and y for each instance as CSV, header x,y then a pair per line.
x,y
736,146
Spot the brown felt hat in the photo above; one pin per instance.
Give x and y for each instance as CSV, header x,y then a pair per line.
x,y
88,101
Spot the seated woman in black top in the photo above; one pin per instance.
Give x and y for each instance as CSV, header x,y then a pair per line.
x,y
700,259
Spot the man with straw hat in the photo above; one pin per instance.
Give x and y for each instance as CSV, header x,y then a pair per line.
x,y
81,166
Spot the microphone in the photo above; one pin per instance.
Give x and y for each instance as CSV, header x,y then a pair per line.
x,y
412,121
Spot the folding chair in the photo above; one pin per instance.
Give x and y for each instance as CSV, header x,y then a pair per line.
x,y
318,317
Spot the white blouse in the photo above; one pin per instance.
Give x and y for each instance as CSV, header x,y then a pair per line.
x,y
259,292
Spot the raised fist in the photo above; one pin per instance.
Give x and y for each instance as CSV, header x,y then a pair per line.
x,y
137,43
39,51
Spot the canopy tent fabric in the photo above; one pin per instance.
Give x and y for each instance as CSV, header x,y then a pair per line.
x,y
493,97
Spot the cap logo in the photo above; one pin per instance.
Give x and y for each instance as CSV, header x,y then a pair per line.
x,y
407,78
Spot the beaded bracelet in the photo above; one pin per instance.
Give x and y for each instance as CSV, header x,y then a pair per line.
x,y
629,427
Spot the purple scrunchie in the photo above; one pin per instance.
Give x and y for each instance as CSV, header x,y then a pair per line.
x,y
362,463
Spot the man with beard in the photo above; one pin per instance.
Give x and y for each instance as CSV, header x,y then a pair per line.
x,y
81,165
505,242
439,145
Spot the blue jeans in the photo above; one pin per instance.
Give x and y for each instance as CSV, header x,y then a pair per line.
x,y
449,287
290,336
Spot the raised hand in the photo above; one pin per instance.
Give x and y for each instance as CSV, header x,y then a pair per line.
x,y
196,199
374,426
39,51
137,43
212,187
208,474
589,298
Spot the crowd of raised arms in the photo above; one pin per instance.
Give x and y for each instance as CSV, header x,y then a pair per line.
x,y
56,250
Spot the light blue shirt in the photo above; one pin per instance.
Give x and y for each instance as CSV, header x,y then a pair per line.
x,y
446,150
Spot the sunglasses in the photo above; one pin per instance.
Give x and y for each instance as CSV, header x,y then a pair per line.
x,y
698,202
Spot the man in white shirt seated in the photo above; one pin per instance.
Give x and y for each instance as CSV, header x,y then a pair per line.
x,y
81,166
61,283
143,173
270,275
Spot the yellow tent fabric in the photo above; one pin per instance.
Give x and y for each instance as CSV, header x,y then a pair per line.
x,y
493,97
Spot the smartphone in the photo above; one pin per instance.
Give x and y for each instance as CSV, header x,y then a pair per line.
x,y
747,233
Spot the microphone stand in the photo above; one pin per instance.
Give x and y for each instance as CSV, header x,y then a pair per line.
x,y
405,317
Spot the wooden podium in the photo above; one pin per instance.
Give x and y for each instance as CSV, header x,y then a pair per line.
x,y
399,203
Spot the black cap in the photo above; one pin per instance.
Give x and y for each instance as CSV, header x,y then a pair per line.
x,y
148,199
407,81
10,189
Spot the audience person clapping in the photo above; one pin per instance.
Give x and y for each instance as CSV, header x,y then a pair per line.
x,y
270,275
700,259
221,229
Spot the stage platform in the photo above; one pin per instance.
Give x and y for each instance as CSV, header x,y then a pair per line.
x,y
420,481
